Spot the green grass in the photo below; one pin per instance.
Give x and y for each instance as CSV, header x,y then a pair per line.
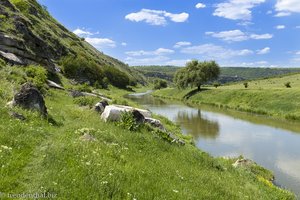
x,y
267,96
40,155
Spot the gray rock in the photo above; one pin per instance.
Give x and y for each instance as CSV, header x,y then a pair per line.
x,y
100,106
138,117
155,123
17,116
244,163
75,93
12,58
113,112
30,97
54,85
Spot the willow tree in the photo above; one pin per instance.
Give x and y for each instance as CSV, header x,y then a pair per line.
x,y
196,73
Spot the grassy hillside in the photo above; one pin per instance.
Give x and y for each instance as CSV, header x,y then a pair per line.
x,y
267,96
29,32
47,155
228,74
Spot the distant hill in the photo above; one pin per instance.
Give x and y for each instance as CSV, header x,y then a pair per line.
x,y
228,74
29,35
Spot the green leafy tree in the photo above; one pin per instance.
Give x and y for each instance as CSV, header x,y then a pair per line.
x,y
196,73
159,84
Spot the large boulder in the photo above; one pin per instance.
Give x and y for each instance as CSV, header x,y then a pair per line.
x,y
30,97
113,112
243,163
100,106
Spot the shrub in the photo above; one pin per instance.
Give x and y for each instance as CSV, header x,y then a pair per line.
x,y
116,77
37,75
16,75
245,85
128,122
86,101
216,84
287,84
81,67
84,88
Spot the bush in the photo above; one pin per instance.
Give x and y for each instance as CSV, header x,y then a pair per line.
x,y
86,101
128,122
116,77
37,75
216,84
84,88
16,75
81,67
159,84
245,85
287,84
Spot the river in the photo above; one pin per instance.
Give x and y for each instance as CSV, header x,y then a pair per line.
x,y
273,144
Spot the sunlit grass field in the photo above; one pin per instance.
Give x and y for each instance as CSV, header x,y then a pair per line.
x,y
267,96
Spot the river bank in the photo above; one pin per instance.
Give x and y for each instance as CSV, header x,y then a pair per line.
x,y
267,97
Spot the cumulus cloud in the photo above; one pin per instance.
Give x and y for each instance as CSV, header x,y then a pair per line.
x,y
236,9
156,17
157,52
182,44
156,60
101,43
233,35
287,7
211,51
83,32
261,36
200,5
179,63
264,51
237,35
124,44
280,27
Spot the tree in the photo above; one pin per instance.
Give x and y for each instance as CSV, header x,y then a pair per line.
x,y
245,85
159,84
196,73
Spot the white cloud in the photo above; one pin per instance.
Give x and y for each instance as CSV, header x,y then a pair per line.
x,y
286,7
124,44
264,50
82,32
261,37
237,36
280,27
200,5
101,43
236,9
233,35
181,44
211,51
177,62
157,60
282,14
157,52
156,17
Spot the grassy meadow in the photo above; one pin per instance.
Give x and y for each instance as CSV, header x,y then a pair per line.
x,y
47,155
266,96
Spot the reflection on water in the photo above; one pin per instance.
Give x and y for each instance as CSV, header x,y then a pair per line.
x,y
271,143
197,125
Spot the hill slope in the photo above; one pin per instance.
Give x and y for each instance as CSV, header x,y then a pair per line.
x,y
29,35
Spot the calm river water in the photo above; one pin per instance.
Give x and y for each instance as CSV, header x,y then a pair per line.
x,y
273,144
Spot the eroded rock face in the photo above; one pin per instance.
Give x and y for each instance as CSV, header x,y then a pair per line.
x,y
30,97
244,163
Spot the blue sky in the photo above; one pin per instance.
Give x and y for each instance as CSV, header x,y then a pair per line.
x,y
252,33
